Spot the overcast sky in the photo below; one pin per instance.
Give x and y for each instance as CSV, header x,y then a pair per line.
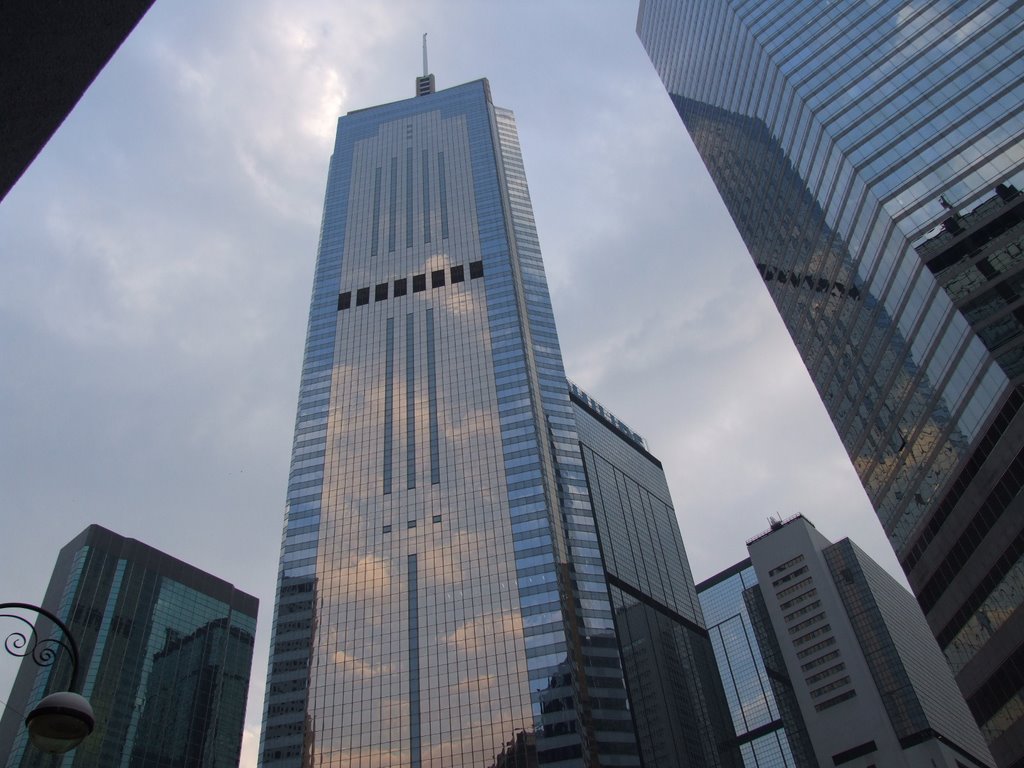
x,y
158,258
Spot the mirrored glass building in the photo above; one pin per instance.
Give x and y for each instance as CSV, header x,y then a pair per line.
x,y
770,730
442,597
871,155
166,651
675,695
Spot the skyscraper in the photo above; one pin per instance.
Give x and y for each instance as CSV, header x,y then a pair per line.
x,y
166,651
442,598
870,155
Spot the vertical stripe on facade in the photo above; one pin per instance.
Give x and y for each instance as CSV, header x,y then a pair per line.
x,y
426,197
410,403
375,236
415,759
435,469
443,193
408,197
389,398
393,204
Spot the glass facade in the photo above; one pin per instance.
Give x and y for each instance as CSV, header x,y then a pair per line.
x,y
441,596
900,652
676,698
870,155
166,651
765,714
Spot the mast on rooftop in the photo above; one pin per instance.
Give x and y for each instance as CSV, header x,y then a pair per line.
x,y
424,84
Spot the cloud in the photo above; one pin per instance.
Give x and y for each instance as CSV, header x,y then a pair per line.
x,y
250,748
473,639
355,669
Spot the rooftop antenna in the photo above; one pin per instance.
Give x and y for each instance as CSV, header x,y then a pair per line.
x,y
425,84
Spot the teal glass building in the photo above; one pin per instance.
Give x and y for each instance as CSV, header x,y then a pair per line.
x,y
442,598
166,651
870,155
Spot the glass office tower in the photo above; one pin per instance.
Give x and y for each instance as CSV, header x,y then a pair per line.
x,y
166,651
769,728
870,155
441,595
675,695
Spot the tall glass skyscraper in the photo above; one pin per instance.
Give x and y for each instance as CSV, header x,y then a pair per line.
x,y
870,155
442,598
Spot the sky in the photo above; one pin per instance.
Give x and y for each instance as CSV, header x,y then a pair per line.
x,y
157,262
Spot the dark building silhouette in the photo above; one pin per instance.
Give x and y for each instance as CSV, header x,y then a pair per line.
x,y
50,52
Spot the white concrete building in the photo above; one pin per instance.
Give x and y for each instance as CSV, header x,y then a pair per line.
x,y
872,685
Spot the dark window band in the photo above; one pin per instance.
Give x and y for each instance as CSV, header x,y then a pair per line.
x,y
1002,500
443,191
389,393
426,197
400,286
435,470
392,204
415,755
375,234
964,478
410,402
854,752
408,197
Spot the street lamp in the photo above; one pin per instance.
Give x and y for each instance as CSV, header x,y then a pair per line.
x,y
61,720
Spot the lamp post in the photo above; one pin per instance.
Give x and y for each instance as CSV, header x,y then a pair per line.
x,y
61,720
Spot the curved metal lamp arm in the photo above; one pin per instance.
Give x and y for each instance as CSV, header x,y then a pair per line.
x,y
42,651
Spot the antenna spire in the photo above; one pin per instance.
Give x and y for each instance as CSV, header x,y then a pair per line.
x,y
425,84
